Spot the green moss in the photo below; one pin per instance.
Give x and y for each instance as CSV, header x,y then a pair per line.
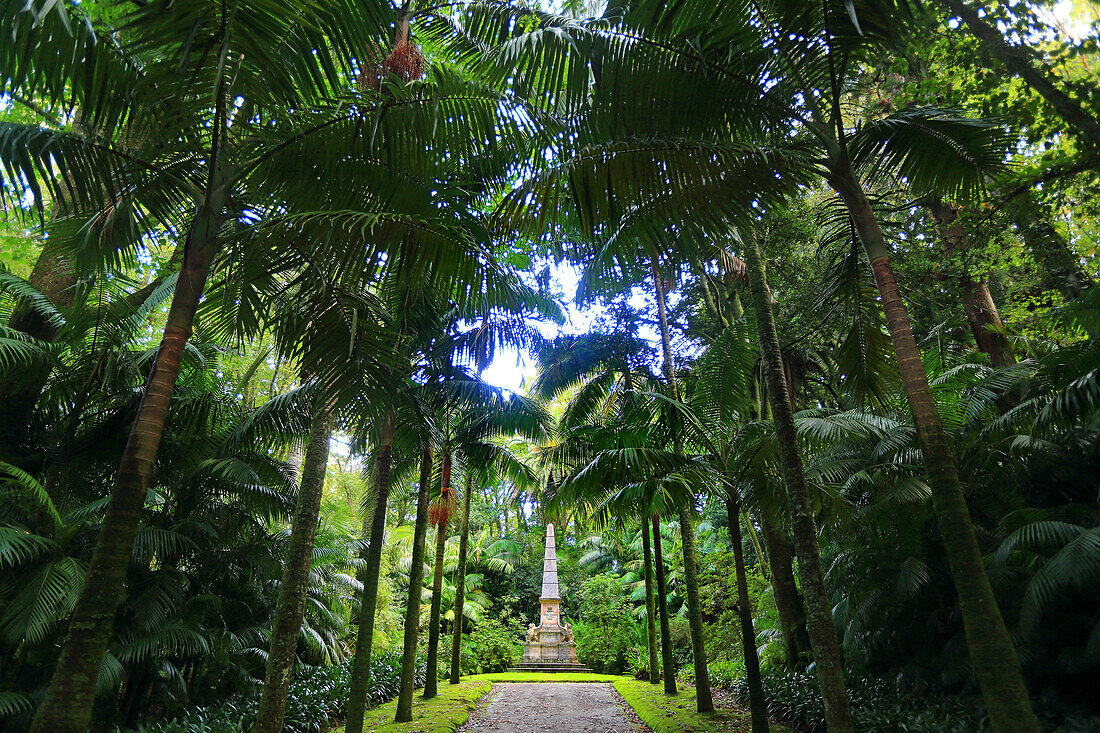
x,y
546,677
442,714
665,714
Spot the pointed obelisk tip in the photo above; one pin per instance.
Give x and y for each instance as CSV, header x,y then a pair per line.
x,y
550,529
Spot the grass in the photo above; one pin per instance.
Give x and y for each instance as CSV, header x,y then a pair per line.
x,y
442,714
666,714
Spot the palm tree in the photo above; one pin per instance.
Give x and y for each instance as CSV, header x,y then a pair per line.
x,y
703,701
292,589
316,44
416,576
820,625
607,368
481,424
790,69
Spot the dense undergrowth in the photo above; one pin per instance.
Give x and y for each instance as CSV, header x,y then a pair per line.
x,y
315,702
880,707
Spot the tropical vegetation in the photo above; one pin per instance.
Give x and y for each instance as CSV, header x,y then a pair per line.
x,y
315,313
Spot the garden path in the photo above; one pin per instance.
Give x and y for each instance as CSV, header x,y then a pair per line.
x,y
552,707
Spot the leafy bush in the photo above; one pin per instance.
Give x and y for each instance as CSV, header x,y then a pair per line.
x,y
315,700
877,707
725,673
492,647
605,634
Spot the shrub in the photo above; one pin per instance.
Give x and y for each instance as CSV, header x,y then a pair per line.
x,y
877,706
315,700
605,633
492,647
725,673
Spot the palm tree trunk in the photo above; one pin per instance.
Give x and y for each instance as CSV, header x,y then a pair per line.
x,y
668,666
416,580
991,652
292,588
431,688
67,707
460,582
650,615
758,708
788,602
360,666
430,681
823,639
703,701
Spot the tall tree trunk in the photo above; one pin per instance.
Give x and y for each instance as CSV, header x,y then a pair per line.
x,y
292,588
788,602
360,666
650,602
991,652
1018,60
758,707
978,306
67,707
703,700
431,688
668,666
416,581
460,581
822,631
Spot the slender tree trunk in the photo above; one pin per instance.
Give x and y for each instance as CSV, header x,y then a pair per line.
x,y
1018,60
788,602
981,312
758,707
991,652
431,688
650,610
460,582
360,666
416,581
292,589
67,707
822,631
668,666
703,701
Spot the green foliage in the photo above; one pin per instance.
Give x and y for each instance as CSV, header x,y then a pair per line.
x,y
794,698
725,673
492,646
315,701
605,635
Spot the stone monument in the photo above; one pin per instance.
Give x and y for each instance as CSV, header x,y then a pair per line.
x,y
549,647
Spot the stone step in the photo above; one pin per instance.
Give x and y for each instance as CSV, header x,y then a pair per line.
x,y
566,667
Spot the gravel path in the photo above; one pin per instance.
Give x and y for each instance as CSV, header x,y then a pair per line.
x,y
552,707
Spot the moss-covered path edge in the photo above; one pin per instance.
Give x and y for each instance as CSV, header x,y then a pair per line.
x,y
663,714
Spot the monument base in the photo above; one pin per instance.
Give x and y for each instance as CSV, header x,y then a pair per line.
x,y
550,648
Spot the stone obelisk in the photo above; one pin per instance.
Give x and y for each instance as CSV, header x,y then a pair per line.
x,y
549,646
